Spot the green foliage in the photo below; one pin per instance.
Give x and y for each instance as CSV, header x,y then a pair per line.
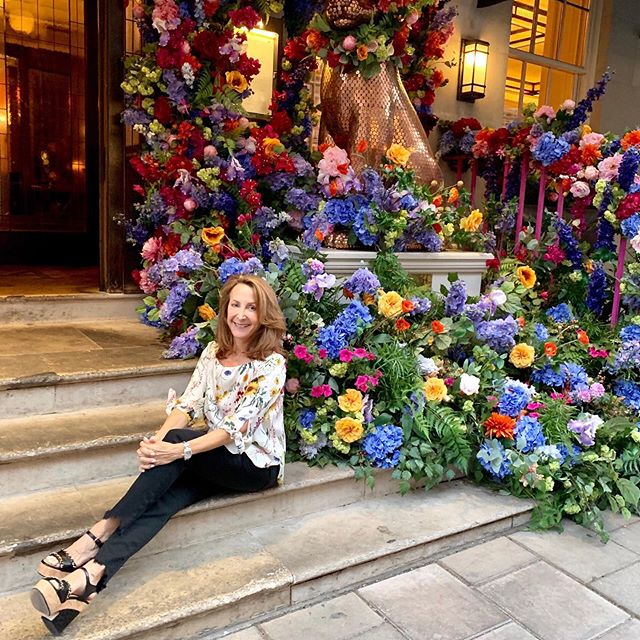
x,y
390,272
399,373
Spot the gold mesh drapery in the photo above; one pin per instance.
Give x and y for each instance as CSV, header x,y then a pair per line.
x,y
378,111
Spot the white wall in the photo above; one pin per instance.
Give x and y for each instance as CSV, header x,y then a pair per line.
x,y
492,25
620,107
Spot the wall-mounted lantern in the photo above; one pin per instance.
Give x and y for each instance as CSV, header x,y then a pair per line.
x,y
472,70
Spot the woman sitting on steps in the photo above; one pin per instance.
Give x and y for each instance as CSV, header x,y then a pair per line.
x,y
237,386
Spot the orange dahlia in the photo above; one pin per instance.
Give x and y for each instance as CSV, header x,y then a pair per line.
x,y
499,426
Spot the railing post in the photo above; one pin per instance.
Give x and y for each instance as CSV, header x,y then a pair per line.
x,y
541,193
524,172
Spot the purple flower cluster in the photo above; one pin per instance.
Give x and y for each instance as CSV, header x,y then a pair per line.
x,y
628,356
568,242
574,376
597,291
498,334
317,284
173,304
310,450
585,106
420,306
585,425
456,299
628,168
362,281
301,200
382,446
184,346
235,266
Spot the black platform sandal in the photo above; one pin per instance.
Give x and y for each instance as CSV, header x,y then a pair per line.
x,y
52,598
64,563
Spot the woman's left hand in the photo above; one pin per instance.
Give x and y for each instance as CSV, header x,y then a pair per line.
x,y
153,453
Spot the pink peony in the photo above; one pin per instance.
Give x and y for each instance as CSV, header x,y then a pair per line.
x,y
292,385
334,162
349,43
152,250
545,111
608,167
595,139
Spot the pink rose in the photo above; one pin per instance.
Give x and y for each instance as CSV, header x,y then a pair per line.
x,y
580,189
210,152
568,105
592,139
292,385
545,111
609,167
349,43
190,204
590,173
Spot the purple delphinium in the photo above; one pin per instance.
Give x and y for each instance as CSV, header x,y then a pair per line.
x,y
628,168
585,106
597,291
568,242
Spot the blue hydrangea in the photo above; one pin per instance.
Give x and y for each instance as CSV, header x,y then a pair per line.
x,y
306,418
420,306
570,456
630,332
234,266
188,260
362,281
629,392
456,299
574,375
547,376
372,185
528,434
541,332
627,357
631,226
340,211
382,446
333,339
514,398
363,224
492,456
301,200
560,313
549,149
498,334
184,346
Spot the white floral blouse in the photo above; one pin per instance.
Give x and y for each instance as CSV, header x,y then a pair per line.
x,y
230,397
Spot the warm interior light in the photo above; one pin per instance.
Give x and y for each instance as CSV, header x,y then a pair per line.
x,y
20,20
472,73
262,45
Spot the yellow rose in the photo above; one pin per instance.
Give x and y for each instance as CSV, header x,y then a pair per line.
x,y
351,401
206,312
398,154
237,81
471,222
390,304
349,430
272,146
527,276
212,236
435,389
522,355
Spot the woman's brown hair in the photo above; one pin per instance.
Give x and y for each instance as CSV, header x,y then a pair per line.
x,y
267,338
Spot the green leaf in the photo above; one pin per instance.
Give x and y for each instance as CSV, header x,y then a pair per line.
x,y
629,491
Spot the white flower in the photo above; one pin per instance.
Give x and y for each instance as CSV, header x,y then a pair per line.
x,y
580,189
635,243
497,296
568,105
469,385
427,366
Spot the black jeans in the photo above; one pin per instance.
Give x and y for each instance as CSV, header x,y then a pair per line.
x,y
160,492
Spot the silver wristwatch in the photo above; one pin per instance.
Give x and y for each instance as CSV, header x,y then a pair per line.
x,y
187,451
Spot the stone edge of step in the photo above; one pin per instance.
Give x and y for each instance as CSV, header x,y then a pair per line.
x,y
332,475
52,378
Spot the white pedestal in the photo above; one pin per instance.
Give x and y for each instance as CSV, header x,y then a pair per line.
x,y
469,265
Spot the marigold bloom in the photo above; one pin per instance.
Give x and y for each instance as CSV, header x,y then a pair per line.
x,y
272,146
435,389
454,194
630,139
237,81
499,426
362,52
206,312
472,222
402,324
583,337
437,327
550,349
527,276
212,236
522,355
349,430
351,401
390,304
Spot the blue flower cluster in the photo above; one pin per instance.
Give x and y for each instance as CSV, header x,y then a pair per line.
x,y
547,376
235,266
362,281
382,446
597,291
184,346
628,168
301,200
630,332
364,226
528,434
340,211
336,336
456,299
493,458
498,334
628,355
568,456
306,418
631,226
568,242
372,185
541,332
420,306
560,313
629,392
550,149
574,376
514,398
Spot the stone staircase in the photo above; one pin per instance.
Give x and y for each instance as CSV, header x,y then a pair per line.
x,y
79,385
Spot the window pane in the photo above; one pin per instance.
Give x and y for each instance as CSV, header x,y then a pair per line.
x,y
573,33
513,89
558,86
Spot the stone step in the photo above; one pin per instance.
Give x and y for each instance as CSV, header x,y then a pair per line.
x,y
270,566
68,449
34,524
59,368
38,309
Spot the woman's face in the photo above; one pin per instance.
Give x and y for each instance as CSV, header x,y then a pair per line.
x,y
242,314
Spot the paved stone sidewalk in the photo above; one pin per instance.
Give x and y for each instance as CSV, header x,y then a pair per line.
x,y
525,586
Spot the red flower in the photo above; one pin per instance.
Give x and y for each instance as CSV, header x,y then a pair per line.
x,y
437,327
402,324
459,127
494,263
629,206
245,17
211,7
583,337
333,59
162,110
